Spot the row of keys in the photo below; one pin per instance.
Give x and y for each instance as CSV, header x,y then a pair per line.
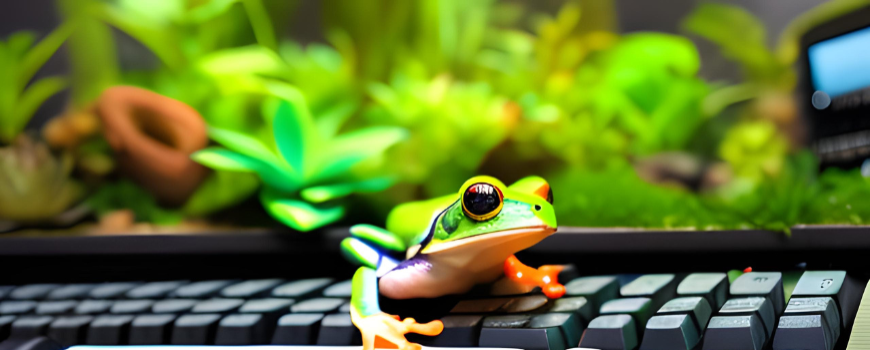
x,y
174,306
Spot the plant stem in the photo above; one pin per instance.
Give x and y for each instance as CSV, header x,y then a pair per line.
x,y
260,23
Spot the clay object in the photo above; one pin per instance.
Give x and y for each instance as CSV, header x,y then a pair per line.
x,y
153,136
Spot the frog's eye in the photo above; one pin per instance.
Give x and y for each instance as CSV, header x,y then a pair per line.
x,y
482,201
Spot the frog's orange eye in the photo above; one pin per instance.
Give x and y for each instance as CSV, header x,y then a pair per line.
x,y
482,201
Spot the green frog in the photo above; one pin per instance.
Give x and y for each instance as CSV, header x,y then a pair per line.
x,y
469,239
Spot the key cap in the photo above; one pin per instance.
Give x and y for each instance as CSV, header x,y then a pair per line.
x,y
610,332
638,308
297,329
151,329
479,306
515,331
250,289
202,289
56,307
32,291
69,330
30,343
758,306
244,329
823,307
154,290
270,308
341,289
670,332
658,288
88,307
173,306
217,306
459,330
4,291
711,286
30,326
569,324
337,329
111,290
524,304
301,288
317,305
844,290
762,284
696,307
109,330
17,307
596,290
71,291
734,332
5,326
576,305
802,332
137,306
195,329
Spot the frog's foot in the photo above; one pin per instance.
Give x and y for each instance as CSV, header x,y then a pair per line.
x,y
385,327
546,277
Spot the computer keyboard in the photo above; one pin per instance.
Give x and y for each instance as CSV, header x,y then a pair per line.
x,y
647,312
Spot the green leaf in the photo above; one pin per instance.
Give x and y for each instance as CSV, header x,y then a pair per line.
x,y
298,214
209,10
39,54
253,59
348,149
331,121
19,43
247,145
292,127
223,159
161,41
222,189
32,98
320,194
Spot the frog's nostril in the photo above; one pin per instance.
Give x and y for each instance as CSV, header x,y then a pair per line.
x,y
537,207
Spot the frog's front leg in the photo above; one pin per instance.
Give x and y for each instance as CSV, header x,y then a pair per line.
x,y
546,277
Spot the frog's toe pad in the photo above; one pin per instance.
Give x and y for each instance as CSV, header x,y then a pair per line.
x,y
387,331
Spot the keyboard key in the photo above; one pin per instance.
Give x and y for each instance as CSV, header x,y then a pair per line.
x,y
638,308
479,306
337,329
17,307
69,330
297,329
823,307
317,305
111,290
610,332
32,291
576,305
31,343
30,326
89,307
735,332
250,289
301,288
658,288
109,330
696,307
151,329
341,289
56,307
132,306
513,331
596,290
845,291
195,329
71,291
757,306
5,326
524,304
459,331
202,289
173,306
762,284
270,308
217,306
711,286
670,332
244,329
569,324
154,290
803,332
4,291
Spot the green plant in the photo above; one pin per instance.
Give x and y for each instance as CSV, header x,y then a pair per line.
x,y
309,167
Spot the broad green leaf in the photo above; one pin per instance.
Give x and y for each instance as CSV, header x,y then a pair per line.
x,y
253,59
19,43
247,145
223,159
222,189
162,42
293,128
39,54
32,98
320,194
298,214
208,10
331,120
348,149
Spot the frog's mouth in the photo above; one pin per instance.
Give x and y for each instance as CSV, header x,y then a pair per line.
x,y
532,234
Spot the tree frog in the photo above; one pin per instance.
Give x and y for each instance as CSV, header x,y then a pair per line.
x,y
470,240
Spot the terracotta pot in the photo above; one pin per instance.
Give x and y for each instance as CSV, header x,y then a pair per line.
x,y
153,137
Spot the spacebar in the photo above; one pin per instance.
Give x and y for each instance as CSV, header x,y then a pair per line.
x,y
253,347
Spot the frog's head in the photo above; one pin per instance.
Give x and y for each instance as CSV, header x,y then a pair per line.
x,y
487,210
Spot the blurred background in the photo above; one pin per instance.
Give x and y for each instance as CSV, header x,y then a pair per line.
x,y
120,116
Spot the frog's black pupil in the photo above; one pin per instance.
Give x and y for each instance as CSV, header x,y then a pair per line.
x,y
537,207
481,199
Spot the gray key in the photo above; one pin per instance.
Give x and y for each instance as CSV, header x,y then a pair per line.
x,y
196,329
337,329
711,286
845,291
524,304
173,306
459,331
516,331
132,306
507,321
318,305
109,330
758,306
267,306
802,332
659,288
71,291
17,307
4,291
479,306
244,329
69,330
341,289
670,332
763,284
154,290
217,306
250,289
822,306
111,290
639,308
30,326
577,305
56,307
696,307
151,329
202,289
297,329
610,332
596,289
87,307
569,324
32,291
734,333
301,288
